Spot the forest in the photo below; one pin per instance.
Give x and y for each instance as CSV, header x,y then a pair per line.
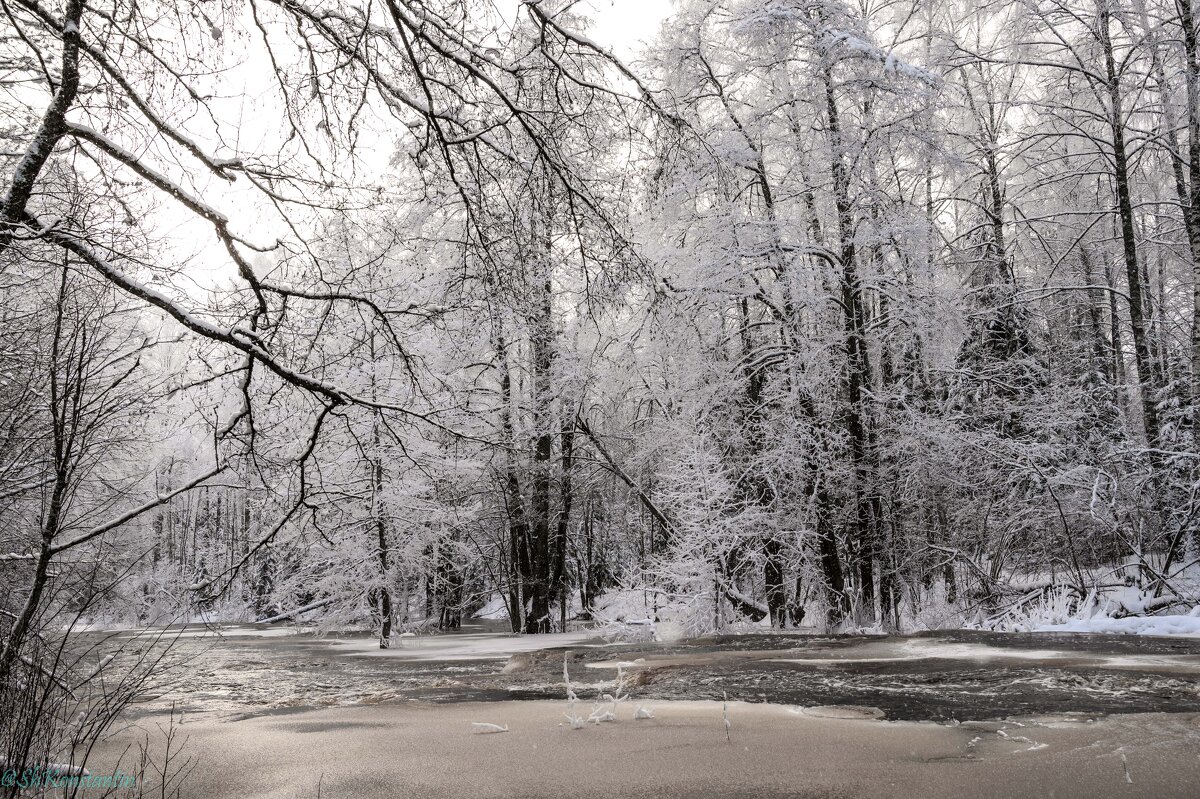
x,y
871,315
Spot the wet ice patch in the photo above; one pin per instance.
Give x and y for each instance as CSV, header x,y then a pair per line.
x,y
1060,719
615,664
860,712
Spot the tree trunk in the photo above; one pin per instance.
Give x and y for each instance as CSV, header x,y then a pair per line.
x,y
542,356
1191,203
519,569
561,538
383,594
773,574
858,367
1133,273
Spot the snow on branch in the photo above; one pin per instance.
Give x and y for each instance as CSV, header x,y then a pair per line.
x,y
891,63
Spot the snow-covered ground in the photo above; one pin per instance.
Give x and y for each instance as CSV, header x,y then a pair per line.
x,y
1188,625
1120,611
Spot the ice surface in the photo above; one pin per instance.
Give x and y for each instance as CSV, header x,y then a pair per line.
x,y
466,646
928,649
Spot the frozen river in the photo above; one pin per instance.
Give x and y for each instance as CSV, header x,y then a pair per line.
x,y
273,713
243,670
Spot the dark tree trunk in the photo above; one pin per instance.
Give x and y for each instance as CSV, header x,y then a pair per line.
x,y
837,603
562,537
588,573
863,534
519,566
542,345
383,593
773,574
1133,273
1191,202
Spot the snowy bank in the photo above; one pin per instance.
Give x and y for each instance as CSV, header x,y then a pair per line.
x,y
1130,625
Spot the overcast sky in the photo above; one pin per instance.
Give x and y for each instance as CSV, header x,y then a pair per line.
x,y
253,124
625,24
